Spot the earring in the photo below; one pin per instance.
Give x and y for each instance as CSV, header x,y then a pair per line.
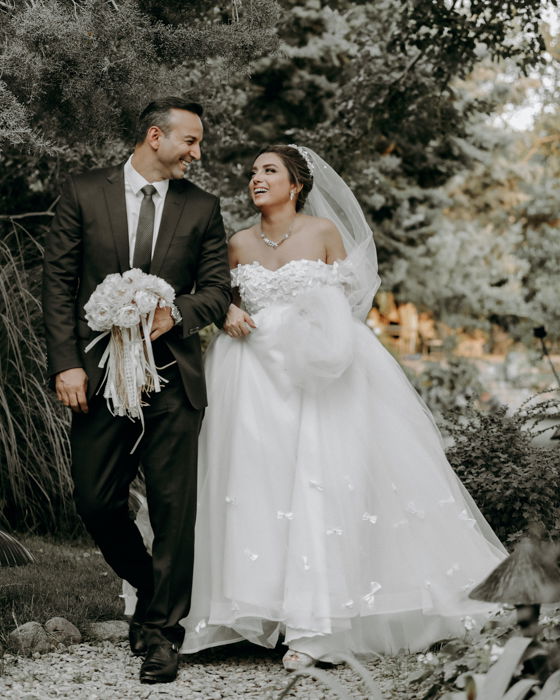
x,y
292,194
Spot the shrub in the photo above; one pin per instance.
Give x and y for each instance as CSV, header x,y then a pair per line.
x,y
513,480
447,386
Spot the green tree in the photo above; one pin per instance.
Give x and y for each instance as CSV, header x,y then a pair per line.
x,y
77,73
490,254
374,88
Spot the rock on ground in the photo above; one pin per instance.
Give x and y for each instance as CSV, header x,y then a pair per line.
x,y
111,630
30,637
62,631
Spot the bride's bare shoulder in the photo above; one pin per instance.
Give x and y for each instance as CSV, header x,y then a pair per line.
x,y
322,227
240,237
328,236
316,223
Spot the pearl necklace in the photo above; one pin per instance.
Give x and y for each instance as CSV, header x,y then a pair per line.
x,y
274,244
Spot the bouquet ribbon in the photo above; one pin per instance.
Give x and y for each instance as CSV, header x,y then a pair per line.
x,y
130,369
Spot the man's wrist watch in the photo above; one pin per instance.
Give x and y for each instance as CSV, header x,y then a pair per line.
x,y
176,315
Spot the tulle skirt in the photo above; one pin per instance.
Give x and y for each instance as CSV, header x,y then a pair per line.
x,y
327,510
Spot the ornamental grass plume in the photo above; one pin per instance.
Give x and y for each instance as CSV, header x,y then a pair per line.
x,y
12,552
35,483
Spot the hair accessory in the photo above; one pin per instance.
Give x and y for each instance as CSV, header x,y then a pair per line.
x,y
305,155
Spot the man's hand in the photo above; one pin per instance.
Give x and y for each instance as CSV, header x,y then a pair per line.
x,y
162,322
70,387
238,323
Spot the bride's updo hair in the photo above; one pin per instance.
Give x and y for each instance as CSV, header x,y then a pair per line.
x,y
297,168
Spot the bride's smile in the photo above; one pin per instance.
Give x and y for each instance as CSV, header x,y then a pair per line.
x,y
270,184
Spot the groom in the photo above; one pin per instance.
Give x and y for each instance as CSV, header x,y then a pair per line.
x,y
141,214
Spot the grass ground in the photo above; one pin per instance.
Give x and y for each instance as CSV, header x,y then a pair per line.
x,y
68,580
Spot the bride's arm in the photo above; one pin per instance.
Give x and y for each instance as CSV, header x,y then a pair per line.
x,y
334,247
238,323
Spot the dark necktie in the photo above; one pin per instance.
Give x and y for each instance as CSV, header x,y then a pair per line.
x,y
145,231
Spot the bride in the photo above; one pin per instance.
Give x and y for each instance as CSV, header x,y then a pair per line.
x,y
327,513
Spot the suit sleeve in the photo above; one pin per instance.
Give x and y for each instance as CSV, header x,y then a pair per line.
x,y
212,296
63,255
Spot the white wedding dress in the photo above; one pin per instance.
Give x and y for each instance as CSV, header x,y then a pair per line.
x,y
327,509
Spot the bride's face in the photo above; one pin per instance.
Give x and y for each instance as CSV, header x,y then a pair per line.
x,y
270,181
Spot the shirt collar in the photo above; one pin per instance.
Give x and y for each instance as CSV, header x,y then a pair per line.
x,y
136,181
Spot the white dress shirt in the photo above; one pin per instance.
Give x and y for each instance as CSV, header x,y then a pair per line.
x,y
133,183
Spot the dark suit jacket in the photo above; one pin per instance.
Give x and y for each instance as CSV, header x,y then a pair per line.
x,y
89,240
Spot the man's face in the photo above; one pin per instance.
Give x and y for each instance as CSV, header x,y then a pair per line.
x,y
180,146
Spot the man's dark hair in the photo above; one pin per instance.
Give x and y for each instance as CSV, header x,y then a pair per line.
x,y
157,113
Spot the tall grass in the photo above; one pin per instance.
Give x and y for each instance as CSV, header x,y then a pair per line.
x,y
35,484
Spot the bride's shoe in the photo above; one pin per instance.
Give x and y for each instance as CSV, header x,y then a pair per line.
x,y
295,660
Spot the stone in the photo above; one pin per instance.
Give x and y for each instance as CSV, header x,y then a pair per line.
x,y
110,630
62,631
29,638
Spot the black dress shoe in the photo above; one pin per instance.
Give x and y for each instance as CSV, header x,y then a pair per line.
x,y
160,664
136,638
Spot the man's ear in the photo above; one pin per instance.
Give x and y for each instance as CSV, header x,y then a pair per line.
x,y
153,137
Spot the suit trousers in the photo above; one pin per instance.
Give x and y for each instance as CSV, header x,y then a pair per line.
x,y
103,469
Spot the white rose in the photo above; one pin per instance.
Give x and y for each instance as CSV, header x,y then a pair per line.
x,y
135,277
166,292
160,288
127,316
110,280
99,315
145,300
119,291
113,292
150,282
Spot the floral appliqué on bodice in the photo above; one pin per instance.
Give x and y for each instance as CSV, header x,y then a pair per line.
x,y
260,287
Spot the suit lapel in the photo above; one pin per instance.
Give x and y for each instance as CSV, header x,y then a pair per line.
x,y
172,210
115,200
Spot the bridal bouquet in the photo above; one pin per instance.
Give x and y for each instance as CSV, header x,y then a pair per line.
x,y
123,306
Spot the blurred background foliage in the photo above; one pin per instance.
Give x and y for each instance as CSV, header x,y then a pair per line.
x,y
407,99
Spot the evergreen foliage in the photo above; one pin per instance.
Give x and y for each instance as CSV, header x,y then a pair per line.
x,y
374,88
80,71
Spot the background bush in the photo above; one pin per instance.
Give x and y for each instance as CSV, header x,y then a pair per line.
x,y
447,385
513,481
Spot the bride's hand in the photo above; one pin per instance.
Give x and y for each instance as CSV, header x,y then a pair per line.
x,y
238,323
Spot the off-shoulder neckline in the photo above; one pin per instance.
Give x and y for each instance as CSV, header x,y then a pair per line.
x,y
256,263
